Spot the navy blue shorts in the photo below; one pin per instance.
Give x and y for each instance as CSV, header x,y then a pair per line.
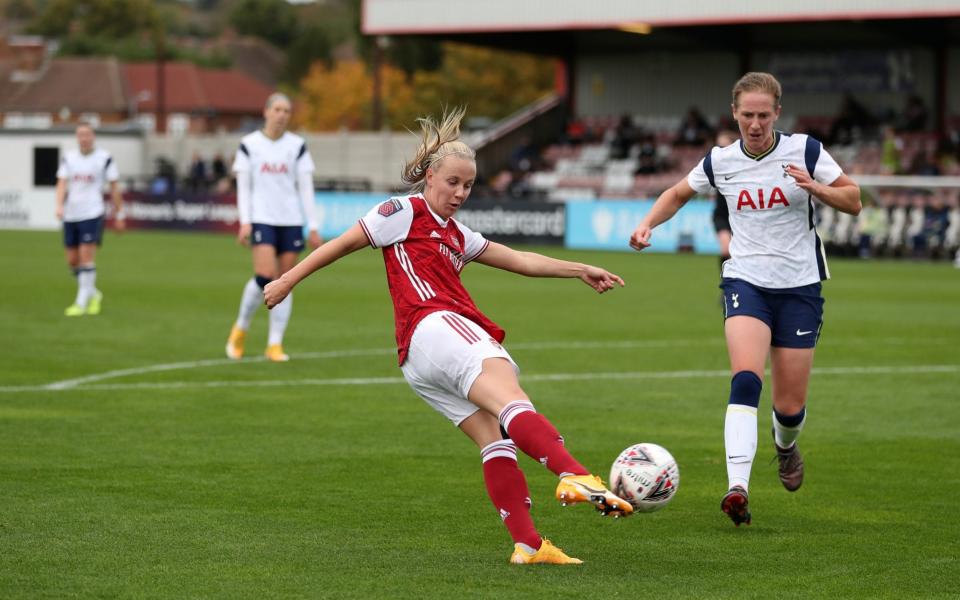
x,y
285,238
794,315
83,232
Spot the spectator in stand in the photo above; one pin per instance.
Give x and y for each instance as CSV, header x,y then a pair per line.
x,y
726,123
218,169
197,179
625,136
935,223
523,157
164,181
576,131
694,131
917,223
851,123
924,163
872,223
647,157
500,184
596,129
946,158
914,117
890,149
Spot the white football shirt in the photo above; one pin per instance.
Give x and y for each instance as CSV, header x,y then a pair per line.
x,y
775,244
85,175
274,167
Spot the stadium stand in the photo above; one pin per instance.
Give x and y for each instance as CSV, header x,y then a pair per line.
x,y
917,217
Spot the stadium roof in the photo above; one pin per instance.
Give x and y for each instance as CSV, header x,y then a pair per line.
x,y
466,16
564,27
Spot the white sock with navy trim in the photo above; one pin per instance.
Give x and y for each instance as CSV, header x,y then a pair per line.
x,y
252,298
86,284
740,442
740,427
279,317
787,428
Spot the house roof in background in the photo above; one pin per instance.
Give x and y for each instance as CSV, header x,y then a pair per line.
x,y
80,84
105,85
189,88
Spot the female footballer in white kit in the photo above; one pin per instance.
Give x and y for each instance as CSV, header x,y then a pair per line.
x,y
274,198
79,204
449,351
771,283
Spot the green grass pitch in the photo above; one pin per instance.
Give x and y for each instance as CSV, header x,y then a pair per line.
x,y
136,462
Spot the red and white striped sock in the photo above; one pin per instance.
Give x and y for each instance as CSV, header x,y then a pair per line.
x,y
538,438
507,488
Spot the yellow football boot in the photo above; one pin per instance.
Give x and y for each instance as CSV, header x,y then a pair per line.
x,y
235,343
74,310
574,489
275,353
95,304
548,554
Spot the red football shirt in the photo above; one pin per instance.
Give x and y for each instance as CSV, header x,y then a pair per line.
x,y
424,255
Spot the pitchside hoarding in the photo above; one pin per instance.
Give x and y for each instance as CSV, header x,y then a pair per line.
x,y
594,225
510,222
516,221
192,211
608,224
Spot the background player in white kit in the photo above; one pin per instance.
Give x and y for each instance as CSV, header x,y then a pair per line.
x,y
275,199
449,351
771,283
79,204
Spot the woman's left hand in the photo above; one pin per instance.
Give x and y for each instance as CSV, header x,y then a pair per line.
x,y
276,291
600,279
802,177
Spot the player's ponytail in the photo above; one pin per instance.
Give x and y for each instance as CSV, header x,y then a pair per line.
x,y
437,141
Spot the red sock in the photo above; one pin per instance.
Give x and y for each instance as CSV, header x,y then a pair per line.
x,y
507,488
538,438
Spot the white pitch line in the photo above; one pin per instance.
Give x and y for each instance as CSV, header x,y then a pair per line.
x,y
348,381
117,373
195,364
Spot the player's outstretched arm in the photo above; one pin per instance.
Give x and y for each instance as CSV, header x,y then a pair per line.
x,y
663,209
350,241
532,264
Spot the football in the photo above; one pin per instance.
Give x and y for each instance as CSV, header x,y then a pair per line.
x,y
645,475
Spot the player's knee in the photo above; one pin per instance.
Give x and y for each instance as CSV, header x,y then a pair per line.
x,y
262,280
788,409
745,388
793,417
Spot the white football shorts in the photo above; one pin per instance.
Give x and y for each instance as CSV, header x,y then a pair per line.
x,y
445,357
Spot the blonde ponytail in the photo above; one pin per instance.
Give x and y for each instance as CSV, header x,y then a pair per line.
x,y
437,141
